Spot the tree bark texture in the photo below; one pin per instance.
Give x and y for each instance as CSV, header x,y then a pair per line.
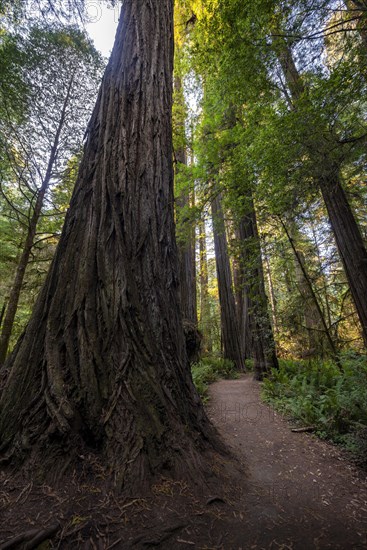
x,y
348,237
242,307
273,301
263,345
186,246
205,315
349,241
102,364
188,279
231,339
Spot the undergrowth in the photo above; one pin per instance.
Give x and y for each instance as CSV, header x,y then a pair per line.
x,y
210,369
319,394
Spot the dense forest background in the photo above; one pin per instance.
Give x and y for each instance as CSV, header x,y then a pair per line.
x,y
270,136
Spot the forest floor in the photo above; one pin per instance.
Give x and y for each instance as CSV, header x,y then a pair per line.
x,y
278,490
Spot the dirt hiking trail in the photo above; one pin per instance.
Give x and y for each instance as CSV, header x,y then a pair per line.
x,y
278,490
299,492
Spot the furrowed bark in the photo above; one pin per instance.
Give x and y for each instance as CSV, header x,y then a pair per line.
x,y
349,241
242,307
102,366
205,317
187,245
263,345
231,339
273,301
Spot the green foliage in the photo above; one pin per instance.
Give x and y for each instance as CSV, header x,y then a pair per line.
x,y
322,395
210,369
254,140
25,10
49,76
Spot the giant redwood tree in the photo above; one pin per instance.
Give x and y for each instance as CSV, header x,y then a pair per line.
x,y
102,364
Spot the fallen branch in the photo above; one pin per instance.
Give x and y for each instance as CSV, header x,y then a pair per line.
x,y
301,430
32,538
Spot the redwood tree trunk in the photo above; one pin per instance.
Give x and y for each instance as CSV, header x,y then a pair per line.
x,y
231,339
102,364
2,313
188,279
349,241
186,246
242,306
205,316
263,345
273,301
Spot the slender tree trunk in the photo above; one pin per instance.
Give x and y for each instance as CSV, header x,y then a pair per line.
x,y
311,291
187,242
102,366
205,317
188,280
16,288
2,313
313,314
310,313
263,345
242,307
231,339
273,301
324,278
347,234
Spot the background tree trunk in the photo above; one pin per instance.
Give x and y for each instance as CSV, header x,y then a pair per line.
x,y
186,247
314,316
273,302
102,364
347,234
205,316
231,339
2,313
263,345
242,307
349,241
188,279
